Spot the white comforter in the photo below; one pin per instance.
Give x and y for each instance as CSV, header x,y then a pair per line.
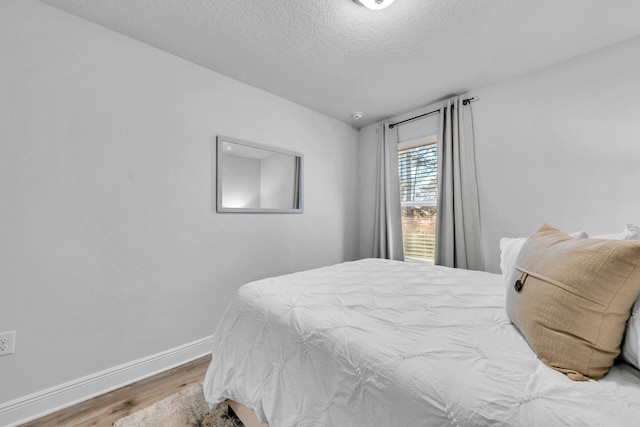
x,y
386,343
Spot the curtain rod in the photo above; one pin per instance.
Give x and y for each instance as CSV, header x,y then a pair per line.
x,y
464,102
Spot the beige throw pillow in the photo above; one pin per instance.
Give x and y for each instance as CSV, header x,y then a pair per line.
x,y
571,297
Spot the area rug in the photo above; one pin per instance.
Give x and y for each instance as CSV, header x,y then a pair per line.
x,y
186,408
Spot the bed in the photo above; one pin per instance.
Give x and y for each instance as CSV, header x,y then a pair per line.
x,y
386,343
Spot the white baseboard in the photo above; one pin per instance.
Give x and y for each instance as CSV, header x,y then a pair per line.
x,y
36,405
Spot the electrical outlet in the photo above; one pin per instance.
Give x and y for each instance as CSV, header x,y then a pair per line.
x,y
7,342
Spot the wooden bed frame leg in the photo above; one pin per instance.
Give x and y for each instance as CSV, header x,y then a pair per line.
x,y
246,415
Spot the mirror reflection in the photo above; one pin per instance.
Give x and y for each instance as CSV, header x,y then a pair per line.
x,y
257,178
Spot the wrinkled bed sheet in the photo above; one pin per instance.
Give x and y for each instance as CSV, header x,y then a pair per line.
x,y
386,343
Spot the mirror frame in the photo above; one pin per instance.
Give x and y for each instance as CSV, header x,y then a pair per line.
x,y
220,140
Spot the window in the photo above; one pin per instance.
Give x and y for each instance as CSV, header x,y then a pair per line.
x,y
418,169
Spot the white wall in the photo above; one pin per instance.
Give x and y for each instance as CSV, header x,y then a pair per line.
x,y
560,145
110,247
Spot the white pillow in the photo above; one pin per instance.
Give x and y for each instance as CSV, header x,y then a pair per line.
x,y
631,343
510,249
632,232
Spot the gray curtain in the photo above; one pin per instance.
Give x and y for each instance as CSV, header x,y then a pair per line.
x,y
458,237
387,238
297,200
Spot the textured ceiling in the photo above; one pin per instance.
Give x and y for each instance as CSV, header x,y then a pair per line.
x,y
337,57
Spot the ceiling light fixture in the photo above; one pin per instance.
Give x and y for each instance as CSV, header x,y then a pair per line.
x,y
374,4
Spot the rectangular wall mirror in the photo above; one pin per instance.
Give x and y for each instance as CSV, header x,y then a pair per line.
x,y
257,178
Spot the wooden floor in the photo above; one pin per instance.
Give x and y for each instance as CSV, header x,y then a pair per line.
x,y
106,409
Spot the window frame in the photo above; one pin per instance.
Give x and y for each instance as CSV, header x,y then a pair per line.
x,y
406,145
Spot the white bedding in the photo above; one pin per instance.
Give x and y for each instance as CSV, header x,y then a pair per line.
x,y
387,343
